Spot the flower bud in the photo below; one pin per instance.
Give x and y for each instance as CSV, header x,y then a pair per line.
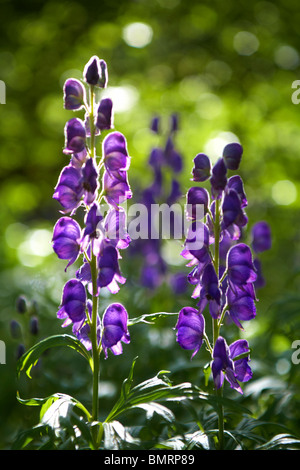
x,y
201,170
34,325
95,72
232,155
21,304
104,114
15,329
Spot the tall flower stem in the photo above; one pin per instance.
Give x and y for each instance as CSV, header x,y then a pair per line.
x,y
216,324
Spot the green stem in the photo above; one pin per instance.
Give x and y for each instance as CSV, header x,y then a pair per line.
x,y
95,350
216,323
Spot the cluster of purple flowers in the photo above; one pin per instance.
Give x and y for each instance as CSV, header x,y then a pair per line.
x,y
166,163
224,278
85,182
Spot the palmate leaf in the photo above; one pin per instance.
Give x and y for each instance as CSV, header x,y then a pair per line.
x,y
30,357
146,394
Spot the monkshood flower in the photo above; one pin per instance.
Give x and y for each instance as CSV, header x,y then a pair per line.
x,y
210,292
202,168
115,153
232,154
95,72
73,304
116,187
224,365
261,237
74,94
75,136
104,114
69,190
240,265
66,239
197,198
190,328
241,303
115,329
218,178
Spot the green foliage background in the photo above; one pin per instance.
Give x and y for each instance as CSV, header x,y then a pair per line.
x,y
220,83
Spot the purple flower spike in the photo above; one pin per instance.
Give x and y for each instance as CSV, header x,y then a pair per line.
x,y
75,135
66,239
197,197
261,237
74,94
73,304
240,265
69,191
104,114
190,329
95,72
232,155
223,363
115,152
202,167
115,329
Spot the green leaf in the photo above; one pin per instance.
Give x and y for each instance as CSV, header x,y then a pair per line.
x,y
30,357
281,441
116,436
149,318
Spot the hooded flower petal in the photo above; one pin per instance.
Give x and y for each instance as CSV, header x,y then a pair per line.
x,y
90,183
95,72
210,292
202,167
218,179
261,237
69,190
240,265
73,304
66,239
241,305
115,329
197,202
74,94
104,114
223,364
242,369
232,155
115,152
190,329
116,187
75,135
232,211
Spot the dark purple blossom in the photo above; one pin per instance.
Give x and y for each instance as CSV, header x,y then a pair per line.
x,y
210,292
223,364
202,167
74,94
232,155
197,202
66,239
104,114
240,265
69,190
73,304
261,237
95,72
115,228
172,156
75,136
233,215
190,329
115,329
235,182
116,187
109,274
241,304
115,152
90,183
218,178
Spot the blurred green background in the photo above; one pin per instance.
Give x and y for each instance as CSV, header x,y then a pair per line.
x,y
227,69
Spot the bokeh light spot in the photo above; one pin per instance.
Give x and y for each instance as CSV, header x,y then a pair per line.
x,y
137,34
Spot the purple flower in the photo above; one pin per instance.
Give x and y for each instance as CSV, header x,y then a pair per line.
x,y
75,135
241,305
90,183
232,155
210,292
95,72
74,94
69,191
104,114
235,182
116,187
224,365
172,157
202,167
66,239
154,126
83,333
93,229
109,272
197,197
115,228
240,265
218,179
73,304
233,215
115,329
178,282
196,242
190,329
115,152
261,237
